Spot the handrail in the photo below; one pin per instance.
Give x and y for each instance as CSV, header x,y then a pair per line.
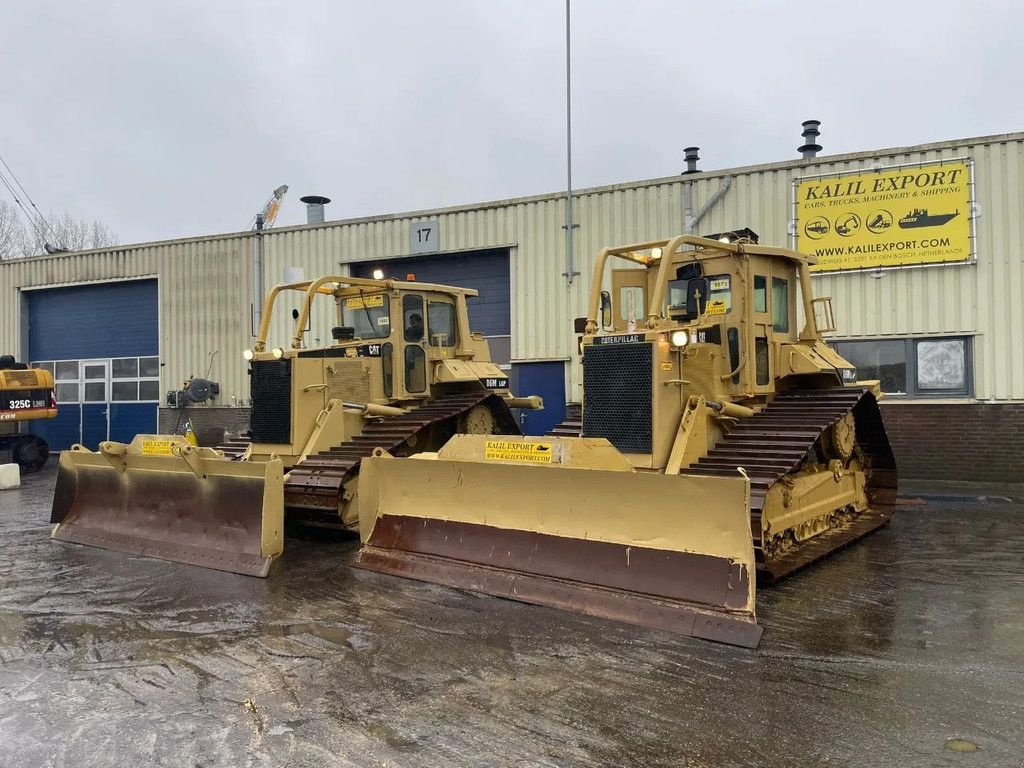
x,y
737,369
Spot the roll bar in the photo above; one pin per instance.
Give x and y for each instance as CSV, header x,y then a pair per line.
x,y
335,285
664,261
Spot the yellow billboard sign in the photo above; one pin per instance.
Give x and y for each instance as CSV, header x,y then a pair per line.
x,y
885,218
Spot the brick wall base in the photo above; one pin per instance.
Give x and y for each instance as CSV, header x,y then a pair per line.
x,y
957,442
209,422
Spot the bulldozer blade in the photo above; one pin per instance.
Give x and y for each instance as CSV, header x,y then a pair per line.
x,y
161,497
668,552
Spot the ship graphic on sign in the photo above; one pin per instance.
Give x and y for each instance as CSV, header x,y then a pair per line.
x,y
919,217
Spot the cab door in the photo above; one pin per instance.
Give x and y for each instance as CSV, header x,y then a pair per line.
x,y
413,357
762,356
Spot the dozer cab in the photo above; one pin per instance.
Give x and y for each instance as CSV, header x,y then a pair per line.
x,y
404,372
720,440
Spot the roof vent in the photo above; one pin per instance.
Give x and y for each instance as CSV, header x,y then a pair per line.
x,y
315,208
811,148
691,158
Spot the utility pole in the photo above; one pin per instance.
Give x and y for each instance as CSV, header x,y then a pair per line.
x,y
570,271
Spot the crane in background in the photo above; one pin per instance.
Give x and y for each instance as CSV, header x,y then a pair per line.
x,y
269,211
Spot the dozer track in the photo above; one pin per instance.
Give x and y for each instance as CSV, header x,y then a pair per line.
x,y
313,488
775,442
234,448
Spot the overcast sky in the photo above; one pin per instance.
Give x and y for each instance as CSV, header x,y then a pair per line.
x,y
179,118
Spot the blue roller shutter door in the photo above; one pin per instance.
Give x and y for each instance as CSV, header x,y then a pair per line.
x,y
111,324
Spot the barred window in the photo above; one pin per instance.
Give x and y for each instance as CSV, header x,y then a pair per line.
x,y
929,367
131,379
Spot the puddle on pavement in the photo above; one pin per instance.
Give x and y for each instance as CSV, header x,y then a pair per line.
x,y
336,635
206,628
392,738
961,745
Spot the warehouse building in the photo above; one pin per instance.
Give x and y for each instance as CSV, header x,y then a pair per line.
x,y
919,247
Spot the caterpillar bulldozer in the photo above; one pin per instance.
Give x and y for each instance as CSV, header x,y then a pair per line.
x,y
26,394
403,372
721,445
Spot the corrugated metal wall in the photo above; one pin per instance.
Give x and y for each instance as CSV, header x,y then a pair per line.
x,y
199,315
204,287
972,299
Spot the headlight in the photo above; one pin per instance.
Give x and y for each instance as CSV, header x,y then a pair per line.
x,y
277,352
849,374
680,338
248,354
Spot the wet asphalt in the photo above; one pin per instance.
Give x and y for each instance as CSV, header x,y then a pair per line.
x,y
880,656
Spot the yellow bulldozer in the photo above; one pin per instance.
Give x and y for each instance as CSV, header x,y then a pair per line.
x,y
26,394
722,439
404,373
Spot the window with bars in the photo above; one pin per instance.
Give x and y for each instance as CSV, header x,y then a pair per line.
x,y
135,379
930,367
131,380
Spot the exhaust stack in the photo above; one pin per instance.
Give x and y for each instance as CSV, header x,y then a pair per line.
x,y
315,208
810,135
690,155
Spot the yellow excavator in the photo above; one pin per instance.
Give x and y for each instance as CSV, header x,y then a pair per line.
x,y
403,372
26,394
722,438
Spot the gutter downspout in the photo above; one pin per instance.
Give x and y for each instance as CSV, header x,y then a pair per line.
x,y
691,220
257,276
570,267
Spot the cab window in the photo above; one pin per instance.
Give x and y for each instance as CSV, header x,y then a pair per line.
x,y
415,368
760,293
780,305
631,302
677,295
717,302
387,361
367,314
412,317
721,290
441,324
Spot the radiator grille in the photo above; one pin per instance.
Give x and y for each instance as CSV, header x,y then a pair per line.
x,y
271,392
350,380
617,395
22,378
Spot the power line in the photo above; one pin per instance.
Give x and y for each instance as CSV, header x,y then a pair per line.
x,y
32,222
39,216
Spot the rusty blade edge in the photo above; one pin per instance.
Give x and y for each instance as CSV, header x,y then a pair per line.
x,y
731,628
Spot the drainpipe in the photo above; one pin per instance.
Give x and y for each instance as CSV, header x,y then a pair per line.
x,y
570,268
257,275
691,219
